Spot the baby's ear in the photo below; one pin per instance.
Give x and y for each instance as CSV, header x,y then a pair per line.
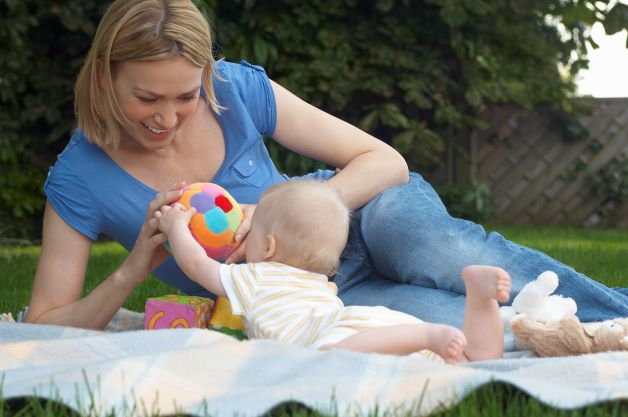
x,y
271,247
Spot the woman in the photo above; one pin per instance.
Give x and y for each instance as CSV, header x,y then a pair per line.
x,y
153,106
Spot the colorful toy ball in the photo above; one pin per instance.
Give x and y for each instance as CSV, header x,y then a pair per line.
x,y
217,217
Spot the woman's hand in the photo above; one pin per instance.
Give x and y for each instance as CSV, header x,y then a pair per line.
x,y
241,233
148,252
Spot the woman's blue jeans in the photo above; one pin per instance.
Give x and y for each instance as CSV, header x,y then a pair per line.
x,y
406,252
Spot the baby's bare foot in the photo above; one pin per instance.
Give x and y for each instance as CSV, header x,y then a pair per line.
x,y
489,281
446,341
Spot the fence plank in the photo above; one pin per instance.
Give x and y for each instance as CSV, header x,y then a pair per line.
x,y
526,162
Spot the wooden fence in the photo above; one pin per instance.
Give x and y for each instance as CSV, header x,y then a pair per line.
x,y
538,176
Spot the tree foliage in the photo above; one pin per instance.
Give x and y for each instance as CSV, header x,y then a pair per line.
x,y
413,73
41,49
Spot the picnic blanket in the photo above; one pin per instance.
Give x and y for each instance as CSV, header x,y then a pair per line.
x,y
202,372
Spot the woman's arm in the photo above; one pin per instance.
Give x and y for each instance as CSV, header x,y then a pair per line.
x,y
60,276
56,296
369,166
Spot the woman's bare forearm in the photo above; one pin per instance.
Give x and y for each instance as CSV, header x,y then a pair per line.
x,y
368,165
96,309
368,175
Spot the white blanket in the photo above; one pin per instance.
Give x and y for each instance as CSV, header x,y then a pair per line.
x,y
202,372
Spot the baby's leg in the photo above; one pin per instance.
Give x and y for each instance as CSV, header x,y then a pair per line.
x,y
485,285
404,339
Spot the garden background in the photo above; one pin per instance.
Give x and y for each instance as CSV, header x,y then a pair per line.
x,y
455,86
479,96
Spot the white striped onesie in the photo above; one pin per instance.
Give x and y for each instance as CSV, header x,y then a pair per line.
x,y
298,307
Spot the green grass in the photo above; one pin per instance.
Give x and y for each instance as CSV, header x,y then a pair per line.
x,y
601,254
493,399
17,269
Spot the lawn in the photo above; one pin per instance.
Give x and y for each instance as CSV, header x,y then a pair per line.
x,y
600,254
17,268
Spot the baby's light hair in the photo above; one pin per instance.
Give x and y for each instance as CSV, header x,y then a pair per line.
x,y
139,31
310,223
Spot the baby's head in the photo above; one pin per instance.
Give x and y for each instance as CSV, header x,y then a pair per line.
x,y
301,223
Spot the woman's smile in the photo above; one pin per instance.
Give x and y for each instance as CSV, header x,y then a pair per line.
x,y
158,133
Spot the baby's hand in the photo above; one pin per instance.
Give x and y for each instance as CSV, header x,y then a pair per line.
x,y
169,217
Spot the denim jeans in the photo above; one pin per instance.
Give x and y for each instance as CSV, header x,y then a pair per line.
x,y
406,252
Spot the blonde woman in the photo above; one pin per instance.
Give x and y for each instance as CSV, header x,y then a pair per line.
x,y
152,106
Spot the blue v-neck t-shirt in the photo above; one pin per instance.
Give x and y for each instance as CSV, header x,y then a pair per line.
x,y
95,196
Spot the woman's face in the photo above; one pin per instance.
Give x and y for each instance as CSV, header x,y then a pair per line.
x,y
157,98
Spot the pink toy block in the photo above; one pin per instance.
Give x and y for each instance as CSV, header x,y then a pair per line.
x,y
170,311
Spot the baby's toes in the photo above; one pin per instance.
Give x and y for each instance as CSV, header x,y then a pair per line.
x,y
455,348
504,286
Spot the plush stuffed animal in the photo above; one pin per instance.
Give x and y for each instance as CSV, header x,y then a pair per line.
x,y
535,300
568,336
548,325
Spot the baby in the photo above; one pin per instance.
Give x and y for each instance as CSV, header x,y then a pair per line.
x,y
298,231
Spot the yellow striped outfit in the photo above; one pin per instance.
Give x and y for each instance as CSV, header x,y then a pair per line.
x,y
298,307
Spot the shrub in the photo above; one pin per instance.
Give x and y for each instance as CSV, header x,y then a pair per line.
x,y
472,201
405,70
402,70
41,49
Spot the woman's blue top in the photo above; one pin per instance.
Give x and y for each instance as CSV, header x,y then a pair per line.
x,y
96,196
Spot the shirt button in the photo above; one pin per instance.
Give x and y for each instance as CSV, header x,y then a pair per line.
x,y
250,163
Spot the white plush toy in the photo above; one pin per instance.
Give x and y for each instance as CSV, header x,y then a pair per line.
x,y
535,301
547,324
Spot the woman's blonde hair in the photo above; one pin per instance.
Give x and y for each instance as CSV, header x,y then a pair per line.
x,y
140,31
309,221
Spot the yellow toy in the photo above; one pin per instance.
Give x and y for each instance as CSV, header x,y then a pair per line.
x,y
223,320
171,311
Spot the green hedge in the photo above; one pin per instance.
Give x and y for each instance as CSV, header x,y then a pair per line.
x,y
413,73
41,48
